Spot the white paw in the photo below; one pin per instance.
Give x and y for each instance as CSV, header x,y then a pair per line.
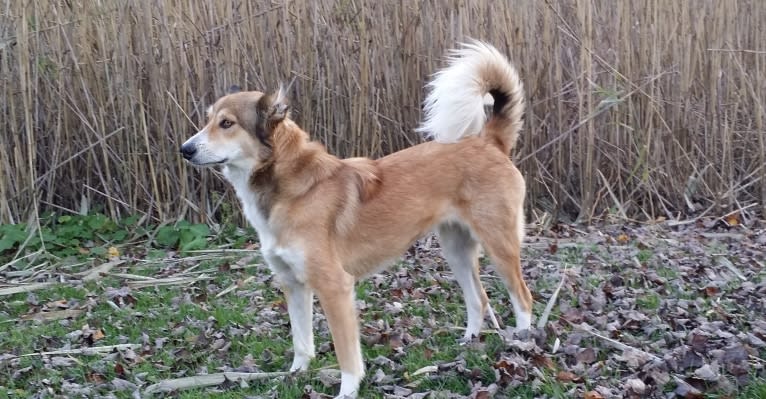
x,y
300,363
349,386
523,321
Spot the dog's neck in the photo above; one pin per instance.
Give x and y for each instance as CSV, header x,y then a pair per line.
x,y
294,167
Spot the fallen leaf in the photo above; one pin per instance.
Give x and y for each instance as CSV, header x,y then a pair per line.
x,y
586,355
113,252
623,238
123,385
98,335
95,378
636,386
706,373
686,391
553,248
593,395
542,361
566,376
733,219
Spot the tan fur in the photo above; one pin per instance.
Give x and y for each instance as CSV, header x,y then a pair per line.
x,y
349,218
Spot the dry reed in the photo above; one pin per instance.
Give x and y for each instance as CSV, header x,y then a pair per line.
x,y
639,109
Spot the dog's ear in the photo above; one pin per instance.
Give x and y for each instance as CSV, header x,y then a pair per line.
x,y
274,108
233,89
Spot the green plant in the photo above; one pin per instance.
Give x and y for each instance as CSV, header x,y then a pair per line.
x,y
68,235
183,236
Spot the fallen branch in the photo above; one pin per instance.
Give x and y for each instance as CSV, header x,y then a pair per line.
x,y
53,315
98,271
235,286
617,344
424,370
13,262
83,351
25,288
166,281
206,380
727,263
549,307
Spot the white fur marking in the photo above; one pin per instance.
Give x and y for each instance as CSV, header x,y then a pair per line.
x,y
349,385
454,106
300,308
461,251
523,318
287,263
240,179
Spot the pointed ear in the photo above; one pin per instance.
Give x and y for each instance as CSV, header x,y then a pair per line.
x,y
274,107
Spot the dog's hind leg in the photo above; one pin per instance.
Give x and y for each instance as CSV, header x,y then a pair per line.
x,y
502,238
461,251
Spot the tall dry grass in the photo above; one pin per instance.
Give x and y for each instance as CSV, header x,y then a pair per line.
x,y
638,109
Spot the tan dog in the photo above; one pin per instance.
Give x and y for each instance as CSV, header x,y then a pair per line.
x,y
324,222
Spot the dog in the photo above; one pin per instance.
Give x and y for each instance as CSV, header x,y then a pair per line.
x,y
324,222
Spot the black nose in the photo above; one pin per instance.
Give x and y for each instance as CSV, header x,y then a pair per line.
x,y
188,151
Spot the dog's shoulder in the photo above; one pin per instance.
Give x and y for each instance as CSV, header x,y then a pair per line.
x,y
366,176
361,181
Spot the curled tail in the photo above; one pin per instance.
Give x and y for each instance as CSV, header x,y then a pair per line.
x,y
454,107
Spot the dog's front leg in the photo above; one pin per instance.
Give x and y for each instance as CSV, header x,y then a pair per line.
x,y
300,307
336,296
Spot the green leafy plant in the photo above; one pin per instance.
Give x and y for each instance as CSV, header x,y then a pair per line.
x,y
68,235
183,235
11,235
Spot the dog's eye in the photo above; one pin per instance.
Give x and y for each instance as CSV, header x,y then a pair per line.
x,y
225,124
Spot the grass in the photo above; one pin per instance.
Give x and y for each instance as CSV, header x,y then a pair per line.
x,y
153,317
185,329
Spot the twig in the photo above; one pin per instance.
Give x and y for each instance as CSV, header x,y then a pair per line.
x,y
54,315
725,50
25,288
727,263
619,345
222,251
549,307
234,286
588,117
614,197
98,271
167,281
83,351
13,262
206,380
424,370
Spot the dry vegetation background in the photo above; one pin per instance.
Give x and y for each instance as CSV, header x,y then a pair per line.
x,y
637,109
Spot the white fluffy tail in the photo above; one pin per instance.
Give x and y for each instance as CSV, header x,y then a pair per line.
x,y
454,107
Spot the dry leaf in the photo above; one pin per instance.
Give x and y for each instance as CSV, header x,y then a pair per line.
x,y
98,334
593,395
733,219
635,385
566,376
113,252
623,238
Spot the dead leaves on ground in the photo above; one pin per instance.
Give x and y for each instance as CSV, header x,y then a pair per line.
x,y
643,312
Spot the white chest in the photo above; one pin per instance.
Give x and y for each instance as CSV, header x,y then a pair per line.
x,y
287,262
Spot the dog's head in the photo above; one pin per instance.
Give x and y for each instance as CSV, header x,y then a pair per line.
x,y
238,130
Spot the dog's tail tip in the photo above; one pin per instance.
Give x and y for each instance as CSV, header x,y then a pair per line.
x,y
454,106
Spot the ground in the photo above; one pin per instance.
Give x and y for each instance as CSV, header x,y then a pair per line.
x,y
664,310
